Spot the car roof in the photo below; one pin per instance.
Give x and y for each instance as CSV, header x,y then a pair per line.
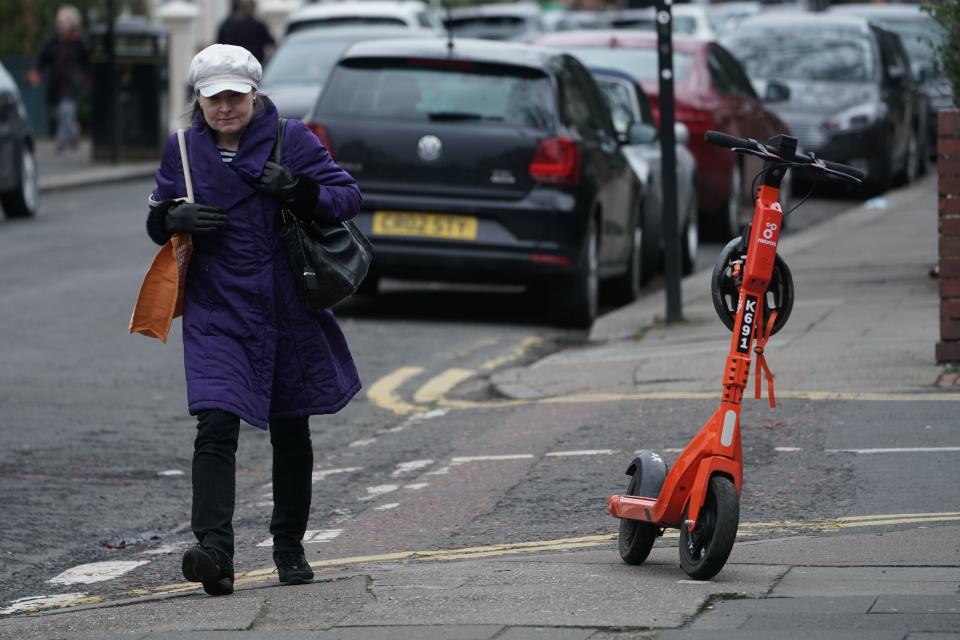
x,y
353,33
628,38
791,19
470,49
360,8
884,10
519,9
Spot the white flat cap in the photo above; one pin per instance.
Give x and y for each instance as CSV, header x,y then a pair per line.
x,y
224,67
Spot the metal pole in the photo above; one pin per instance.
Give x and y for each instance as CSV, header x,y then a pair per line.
x,y
671,232
113,110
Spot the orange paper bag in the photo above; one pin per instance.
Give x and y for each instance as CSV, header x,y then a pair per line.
x,y
161,295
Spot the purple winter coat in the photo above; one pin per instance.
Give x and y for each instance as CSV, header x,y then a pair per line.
x,y
250,347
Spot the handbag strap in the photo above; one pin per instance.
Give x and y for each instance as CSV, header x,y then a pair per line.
x,y
182,142
277,155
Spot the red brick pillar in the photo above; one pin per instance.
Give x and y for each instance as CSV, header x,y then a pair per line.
x,y
948,165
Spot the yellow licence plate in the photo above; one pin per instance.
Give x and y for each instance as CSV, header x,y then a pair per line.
x,y
425,225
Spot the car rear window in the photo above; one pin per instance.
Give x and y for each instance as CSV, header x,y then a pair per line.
x,y
639,63
304,61
439,90
346,21
827,55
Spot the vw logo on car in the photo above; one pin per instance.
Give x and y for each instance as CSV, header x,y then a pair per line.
x,y
429,148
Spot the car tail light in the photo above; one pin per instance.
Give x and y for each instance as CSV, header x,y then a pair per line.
x,y
557,161
698,121
321,132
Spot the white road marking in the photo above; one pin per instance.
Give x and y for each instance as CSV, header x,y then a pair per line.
x,y
379,490
414,419
96,572
362,442
466,459
897,450
416,486
410,467
323,474
322,535
442,471
310,537
788,449
385,507
170,472
263,503
582,452
42,602
164,549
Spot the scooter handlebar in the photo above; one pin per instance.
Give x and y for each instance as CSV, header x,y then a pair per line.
x,y
733,142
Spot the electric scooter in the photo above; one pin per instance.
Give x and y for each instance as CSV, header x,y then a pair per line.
x,y
752,292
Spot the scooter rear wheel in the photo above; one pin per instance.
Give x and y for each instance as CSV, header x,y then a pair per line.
x,y
636,538
705,550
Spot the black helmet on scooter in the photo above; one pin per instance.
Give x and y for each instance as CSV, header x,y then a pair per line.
x,y
725,287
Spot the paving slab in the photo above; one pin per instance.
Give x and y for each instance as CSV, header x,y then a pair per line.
x,y
853,581
546,633
733,614
932,546
781,634
773,624
190,613
537,593
917,604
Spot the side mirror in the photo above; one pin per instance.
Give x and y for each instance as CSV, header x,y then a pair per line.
x,y
896,72
681,133
776,92
641,133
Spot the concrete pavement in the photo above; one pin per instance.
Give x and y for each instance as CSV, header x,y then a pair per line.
x,y
864,324
76,168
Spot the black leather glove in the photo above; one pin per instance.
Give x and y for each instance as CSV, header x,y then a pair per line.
x,y
193,218
277,180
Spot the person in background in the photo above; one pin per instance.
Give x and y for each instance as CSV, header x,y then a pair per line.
x,y
242,28
64,60
252,351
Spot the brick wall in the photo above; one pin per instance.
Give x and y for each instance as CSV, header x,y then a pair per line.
x,y
948,165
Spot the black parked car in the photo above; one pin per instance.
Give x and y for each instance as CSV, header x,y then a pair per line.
x,y
490,162
18,165
842,85
920,33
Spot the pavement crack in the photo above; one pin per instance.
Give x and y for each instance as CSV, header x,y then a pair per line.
x,y
369,587
261,614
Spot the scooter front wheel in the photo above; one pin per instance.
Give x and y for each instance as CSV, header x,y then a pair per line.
x,y
636,538
705,550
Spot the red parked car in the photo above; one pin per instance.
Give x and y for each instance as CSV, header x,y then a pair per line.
x,y
711,91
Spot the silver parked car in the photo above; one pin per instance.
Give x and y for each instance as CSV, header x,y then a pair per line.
x,y
18,165
299,67
633,120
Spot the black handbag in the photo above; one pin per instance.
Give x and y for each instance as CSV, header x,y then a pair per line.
x,y
328,260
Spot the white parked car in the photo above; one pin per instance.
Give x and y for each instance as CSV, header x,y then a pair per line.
x,y
411,14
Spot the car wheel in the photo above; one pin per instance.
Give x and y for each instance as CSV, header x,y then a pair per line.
x,y
23,201
691,240
575,299
911,162
728,218
625,288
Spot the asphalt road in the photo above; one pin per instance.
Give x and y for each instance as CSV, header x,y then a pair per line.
x,y
95,442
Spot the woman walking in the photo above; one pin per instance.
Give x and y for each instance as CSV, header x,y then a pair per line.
x,y
252,352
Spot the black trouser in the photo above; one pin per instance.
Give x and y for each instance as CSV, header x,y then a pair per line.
x,y
214,480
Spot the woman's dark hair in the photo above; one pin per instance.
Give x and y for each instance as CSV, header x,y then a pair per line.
x,y
190,116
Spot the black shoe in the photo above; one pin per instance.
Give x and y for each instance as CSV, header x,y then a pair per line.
x,y
209,567
293,567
